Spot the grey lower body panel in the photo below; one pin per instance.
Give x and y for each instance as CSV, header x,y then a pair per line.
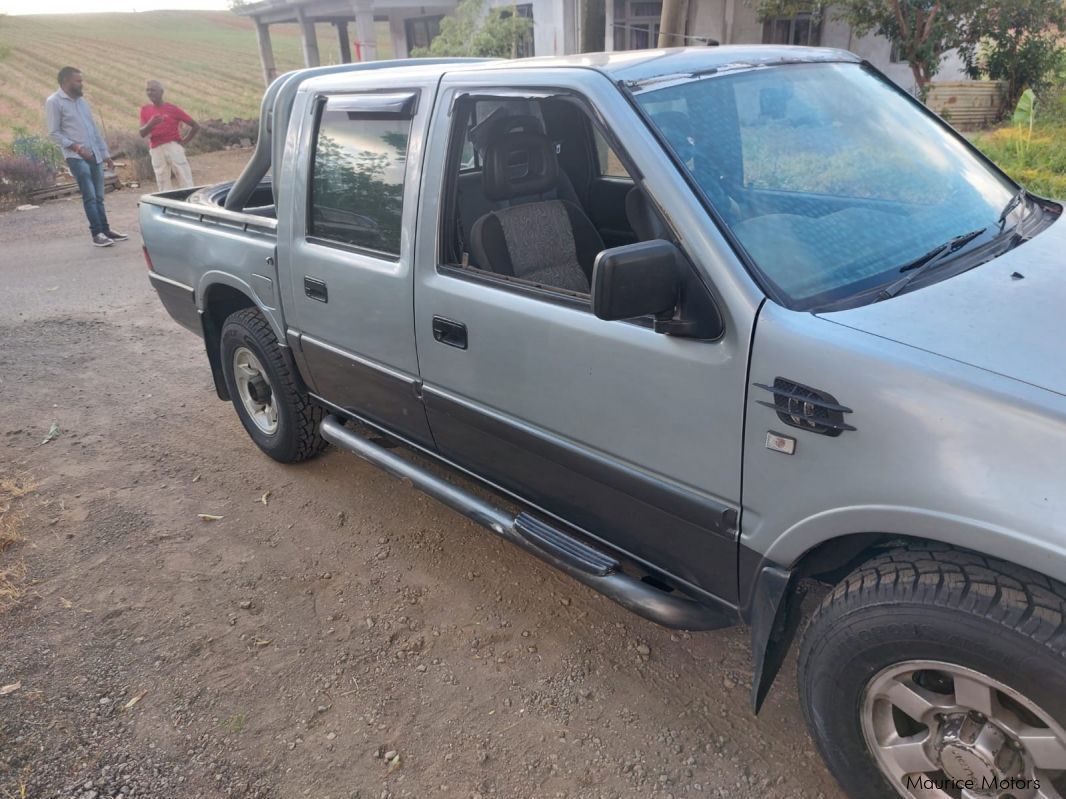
x,y
551,545
360,388
687,536
179,300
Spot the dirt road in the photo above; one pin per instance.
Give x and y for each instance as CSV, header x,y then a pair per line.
x,y
336,634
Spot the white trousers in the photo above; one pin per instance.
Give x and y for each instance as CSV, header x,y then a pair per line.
x,y
167,160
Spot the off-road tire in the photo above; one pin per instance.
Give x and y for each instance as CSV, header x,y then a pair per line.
x,y
931,603
296,438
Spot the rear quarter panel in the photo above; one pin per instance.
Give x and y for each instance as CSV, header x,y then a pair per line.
x,y
194,251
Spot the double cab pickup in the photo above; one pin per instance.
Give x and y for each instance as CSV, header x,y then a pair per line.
x,y
727,326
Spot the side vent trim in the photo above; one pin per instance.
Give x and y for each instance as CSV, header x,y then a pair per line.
x,y
807,408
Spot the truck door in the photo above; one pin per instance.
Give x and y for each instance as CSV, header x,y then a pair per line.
x,y
349,259
631,436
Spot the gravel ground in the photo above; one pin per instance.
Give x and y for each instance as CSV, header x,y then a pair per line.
x,y
336,634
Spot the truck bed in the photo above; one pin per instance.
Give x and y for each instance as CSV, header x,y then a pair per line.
x,y
189,236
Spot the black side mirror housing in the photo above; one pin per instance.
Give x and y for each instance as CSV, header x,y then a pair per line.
x,y
653,278
636,280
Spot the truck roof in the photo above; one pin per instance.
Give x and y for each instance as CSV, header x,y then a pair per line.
x,y
640,65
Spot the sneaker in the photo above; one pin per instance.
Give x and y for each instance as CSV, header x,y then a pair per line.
x,y
100,240
111,234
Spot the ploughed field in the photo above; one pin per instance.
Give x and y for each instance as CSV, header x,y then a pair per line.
x,y
209,62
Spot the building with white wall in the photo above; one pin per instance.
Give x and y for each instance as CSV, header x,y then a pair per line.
x,y
629,25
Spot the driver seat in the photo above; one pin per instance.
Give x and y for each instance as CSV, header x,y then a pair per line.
x,y
535,236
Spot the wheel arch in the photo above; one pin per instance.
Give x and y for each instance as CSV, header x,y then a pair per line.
x,y
219,301
772,594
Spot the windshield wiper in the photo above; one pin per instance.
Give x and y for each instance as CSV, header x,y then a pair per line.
x,y
1010,206
924,263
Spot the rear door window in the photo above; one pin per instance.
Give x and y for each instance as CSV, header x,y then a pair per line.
x,y
357,180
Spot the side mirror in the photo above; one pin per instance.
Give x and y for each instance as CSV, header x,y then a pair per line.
x,y
636,280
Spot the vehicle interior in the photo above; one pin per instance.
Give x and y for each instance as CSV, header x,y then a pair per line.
x,y
537,193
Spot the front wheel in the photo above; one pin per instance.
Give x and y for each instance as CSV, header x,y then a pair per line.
x,y
934,673
278,415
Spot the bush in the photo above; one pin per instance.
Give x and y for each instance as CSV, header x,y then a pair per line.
x,y
471,30
1037,162
1051,100
20,175
1017,42
218,135
134,150
39,149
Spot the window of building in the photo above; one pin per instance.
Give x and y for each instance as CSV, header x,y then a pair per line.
x,y
357,183
524,45
895,55
802,29
421,31
636,24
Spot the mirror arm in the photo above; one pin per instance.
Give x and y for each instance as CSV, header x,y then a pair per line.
x,y
682,328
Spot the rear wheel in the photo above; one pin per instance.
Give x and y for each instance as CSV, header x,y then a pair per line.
x,y
278,415
935,673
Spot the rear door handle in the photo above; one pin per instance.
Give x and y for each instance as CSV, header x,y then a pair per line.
x,y
316,289
448,332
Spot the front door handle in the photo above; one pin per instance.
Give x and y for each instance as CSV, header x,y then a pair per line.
x,y
448,332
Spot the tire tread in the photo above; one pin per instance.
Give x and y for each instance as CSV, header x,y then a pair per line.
x,y
308,414
1002,593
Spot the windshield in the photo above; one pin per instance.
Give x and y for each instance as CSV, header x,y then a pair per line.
x,y
828,176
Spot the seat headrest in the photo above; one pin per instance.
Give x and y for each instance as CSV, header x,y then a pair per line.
x,y
519,164
498,123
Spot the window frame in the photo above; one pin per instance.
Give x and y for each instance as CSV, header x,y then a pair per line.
x,y
597,137
425,19
404,108
449,210
630,21
815,27
524,11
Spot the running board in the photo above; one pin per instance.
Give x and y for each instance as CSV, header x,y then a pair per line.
x,y
552,545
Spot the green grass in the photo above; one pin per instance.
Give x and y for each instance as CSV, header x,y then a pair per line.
x,y
209,62
1037,162
234,723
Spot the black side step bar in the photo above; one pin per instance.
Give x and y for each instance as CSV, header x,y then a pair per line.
x,y
552,545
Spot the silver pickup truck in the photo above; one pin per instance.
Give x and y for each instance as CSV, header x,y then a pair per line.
x,y
724,325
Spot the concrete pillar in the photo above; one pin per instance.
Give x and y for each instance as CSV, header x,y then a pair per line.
x,y
398,31
266,52
672,23
342,40
364,30
309,39
608,27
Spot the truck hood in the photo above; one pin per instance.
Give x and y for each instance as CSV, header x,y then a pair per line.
x,y
1007,316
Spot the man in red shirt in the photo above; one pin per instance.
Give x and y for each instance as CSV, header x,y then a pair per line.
x,y
160,122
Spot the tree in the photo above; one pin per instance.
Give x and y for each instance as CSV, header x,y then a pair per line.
x,y
470,30
922,30
1017,42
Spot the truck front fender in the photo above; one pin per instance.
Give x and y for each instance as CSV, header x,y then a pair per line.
x,y
1042,554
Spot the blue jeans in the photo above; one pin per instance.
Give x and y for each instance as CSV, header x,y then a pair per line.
x,y
90,177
